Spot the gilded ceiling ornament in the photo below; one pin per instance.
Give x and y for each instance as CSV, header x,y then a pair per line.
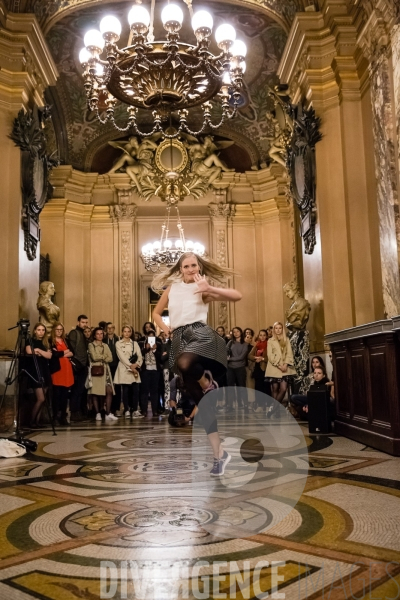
x,y
171,169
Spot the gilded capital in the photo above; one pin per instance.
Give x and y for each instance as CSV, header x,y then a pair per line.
x,y
123,212
225,210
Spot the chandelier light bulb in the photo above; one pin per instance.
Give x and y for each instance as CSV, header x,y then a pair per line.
x,y
167,244
139,15
242,65
94,39
189,245
156,246
172,13
84,56
99,70
110,25
202,20
225,34
226,78
179,244
238,49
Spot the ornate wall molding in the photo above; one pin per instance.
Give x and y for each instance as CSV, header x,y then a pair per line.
x,y
123,212
225,210
126,280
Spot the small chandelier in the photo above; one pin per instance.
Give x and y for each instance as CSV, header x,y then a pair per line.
x,y
163,76
165,252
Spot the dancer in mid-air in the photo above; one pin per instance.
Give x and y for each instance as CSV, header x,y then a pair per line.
x,y
198,353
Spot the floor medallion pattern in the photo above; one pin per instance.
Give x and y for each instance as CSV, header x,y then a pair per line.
x,y
129,511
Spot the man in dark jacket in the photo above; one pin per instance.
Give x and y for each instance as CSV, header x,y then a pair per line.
x,y
111,339
78,344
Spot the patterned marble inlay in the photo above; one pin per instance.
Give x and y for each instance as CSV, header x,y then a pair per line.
x,y
126,494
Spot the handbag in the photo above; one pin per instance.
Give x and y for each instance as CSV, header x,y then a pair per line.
x,y
97,370
9,449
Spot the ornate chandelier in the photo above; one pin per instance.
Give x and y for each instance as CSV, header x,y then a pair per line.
x,y
167,76
166,251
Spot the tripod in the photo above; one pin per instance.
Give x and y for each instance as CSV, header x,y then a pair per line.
x,y
15,373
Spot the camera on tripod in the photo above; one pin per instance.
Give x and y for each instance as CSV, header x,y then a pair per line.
x,y
23,325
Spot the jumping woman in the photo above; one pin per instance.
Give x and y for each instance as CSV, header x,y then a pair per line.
x,y
198,353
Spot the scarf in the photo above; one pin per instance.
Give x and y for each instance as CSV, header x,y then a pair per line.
x,y
261,347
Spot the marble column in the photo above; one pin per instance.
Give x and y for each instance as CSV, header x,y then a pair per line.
x,y
375,42
123,216
395,43
221,213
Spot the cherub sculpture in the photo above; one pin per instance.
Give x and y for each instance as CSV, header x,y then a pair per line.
x,y
205,161
136,160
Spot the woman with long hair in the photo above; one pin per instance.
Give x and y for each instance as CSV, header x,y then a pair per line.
x,y
127,373
259,357
198,353
238,351
299,400
280,362
62,374
101,385
40,348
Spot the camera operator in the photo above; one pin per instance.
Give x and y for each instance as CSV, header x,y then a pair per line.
x,y
151,372
180,400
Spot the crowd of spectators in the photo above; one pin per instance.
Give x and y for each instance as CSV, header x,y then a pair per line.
x,y
99,375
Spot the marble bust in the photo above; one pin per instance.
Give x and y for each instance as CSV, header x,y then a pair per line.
x,y
49,313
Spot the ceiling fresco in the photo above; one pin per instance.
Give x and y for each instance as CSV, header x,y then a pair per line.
x,y
84,137
50,11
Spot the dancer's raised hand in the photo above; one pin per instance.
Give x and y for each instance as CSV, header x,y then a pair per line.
x,y
202,284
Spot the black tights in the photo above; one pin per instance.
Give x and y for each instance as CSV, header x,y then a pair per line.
x,y
192,370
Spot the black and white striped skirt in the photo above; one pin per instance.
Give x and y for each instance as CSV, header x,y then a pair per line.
x,y
202,340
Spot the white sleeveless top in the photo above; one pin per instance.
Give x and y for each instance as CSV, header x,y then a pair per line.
x,y
184,306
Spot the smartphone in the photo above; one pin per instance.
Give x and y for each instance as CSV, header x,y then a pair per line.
x,y
151,340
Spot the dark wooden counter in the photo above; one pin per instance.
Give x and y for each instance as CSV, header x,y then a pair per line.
x,y
366,363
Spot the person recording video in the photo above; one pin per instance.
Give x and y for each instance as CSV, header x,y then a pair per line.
x,y
151,372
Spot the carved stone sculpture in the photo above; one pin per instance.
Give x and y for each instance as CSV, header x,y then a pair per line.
x,y
49,313
296,321
205,162
29,135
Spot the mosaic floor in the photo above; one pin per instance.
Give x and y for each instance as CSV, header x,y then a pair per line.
x,y
130,511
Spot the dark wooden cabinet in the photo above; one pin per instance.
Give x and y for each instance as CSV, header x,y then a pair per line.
x,y
366,362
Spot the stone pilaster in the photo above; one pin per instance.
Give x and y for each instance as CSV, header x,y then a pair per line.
x,y
221,213
375,42
123,217
26,69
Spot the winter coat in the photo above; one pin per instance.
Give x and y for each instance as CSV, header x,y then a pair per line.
x,y
100,354
125,350
275,358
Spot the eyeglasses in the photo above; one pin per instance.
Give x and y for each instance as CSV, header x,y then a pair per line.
x,y
59,329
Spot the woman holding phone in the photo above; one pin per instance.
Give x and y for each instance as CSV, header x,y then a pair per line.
x,y
198,353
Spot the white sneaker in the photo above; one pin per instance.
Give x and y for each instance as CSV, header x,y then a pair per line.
x,y
98,417
259,409
137,415
111,417
127,414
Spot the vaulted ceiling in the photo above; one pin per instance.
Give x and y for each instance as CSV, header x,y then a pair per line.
x,y
83,142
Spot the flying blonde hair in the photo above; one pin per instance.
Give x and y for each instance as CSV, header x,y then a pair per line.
x,y
208,267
